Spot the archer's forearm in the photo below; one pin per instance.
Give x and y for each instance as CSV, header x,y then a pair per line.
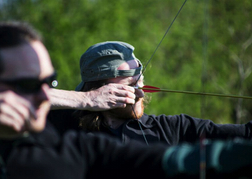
x,y
63,99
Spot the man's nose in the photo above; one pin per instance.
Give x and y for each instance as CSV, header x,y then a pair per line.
x,y
43,93
139,93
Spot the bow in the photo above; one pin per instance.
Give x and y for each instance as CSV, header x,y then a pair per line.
x,y
149,62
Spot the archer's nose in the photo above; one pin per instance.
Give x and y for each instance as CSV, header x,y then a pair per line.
x,y
139,93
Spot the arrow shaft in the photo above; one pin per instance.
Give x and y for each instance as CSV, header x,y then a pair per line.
x,y
198,93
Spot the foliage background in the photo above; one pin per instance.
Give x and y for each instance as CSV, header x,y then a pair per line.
x,y
208,48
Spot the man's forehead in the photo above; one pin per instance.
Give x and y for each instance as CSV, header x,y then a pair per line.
x,y
131,64
26,60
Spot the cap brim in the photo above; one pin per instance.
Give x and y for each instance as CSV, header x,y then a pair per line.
x,y
79,87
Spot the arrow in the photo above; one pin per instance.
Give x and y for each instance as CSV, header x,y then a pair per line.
x,y
153,89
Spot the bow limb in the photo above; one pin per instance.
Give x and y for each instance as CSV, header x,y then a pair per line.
x,y
151,59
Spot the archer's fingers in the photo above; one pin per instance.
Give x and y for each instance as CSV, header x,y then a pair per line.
x,y
125,100
117,105
132,92
122,90
121,87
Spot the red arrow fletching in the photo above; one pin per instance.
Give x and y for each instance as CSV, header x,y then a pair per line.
x,y
150,89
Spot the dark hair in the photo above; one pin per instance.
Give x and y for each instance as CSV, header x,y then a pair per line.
x,y
13,33
90,120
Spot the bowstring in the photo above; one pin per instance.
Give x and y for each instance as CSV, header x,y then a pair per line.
x,y
203,80
146,141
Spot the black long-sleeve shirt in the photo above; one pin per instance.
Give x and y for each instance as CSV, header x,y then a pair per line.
x,y
171,129
77,155
48,155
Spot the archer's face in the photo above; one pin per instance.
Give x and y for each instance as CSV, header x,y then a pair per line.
x,y
131,111
29,61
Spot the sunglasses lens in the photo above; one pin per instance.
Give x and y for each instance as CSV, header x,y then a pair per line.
x,y
28,86
34,86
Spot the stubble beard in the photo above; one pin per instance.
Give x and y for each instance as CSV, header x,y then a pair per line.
x,y
130,111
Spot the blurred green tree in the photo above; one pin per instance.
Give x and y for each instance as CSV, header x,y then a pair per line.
x,y
208,48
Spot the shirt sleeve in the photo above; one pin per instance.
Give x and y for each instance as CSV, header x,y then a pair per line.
x,y
184,128
221,159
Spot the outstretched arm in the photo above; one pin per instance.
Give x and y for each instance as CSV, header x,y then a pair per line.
x,y
220,159
104,98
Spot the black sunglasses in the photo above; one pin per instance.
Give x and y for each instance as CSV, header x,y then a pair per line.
x,y
30,85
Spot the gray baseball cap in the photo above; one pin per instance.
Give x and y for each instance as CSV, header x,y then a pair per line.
x,y
101,61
